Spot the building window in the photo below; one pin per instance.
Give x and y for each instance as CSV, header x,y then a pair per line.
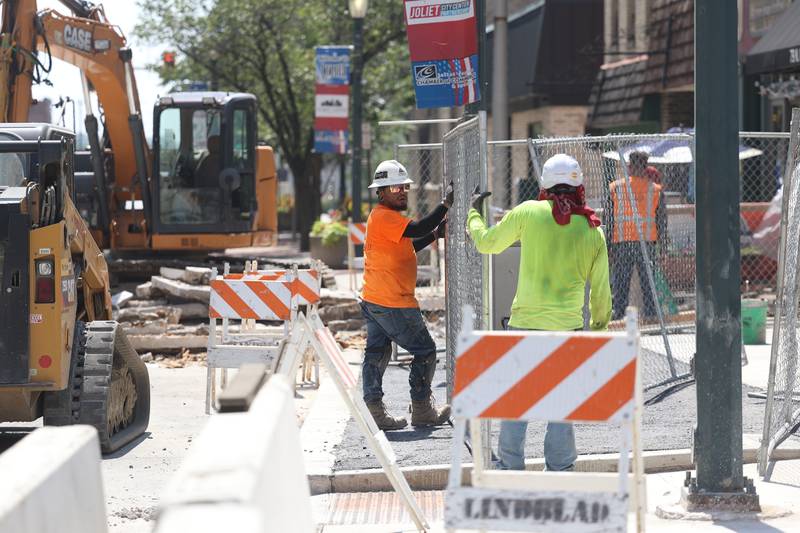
x,y
535,129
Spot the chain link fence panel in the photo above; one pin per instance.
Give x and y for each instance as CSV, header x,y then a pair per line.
x,y
512,175
763,163
782,412
466,271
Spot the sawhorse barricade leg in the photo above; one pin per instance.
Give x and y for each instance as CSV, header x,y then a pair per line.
x,y
291,358
327,350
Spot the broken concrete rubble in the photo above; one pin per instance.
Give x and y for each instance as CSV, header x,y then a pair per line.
x,y
191,275
146,291
353,324
345,311
174,313
161,302
181,289
120,299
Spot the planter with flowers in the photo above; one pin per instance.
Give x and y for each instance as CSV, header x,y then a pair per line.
x,y
328,241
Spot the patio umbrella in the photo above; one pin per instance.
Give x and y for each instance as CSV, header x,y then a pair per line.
x,y
672,151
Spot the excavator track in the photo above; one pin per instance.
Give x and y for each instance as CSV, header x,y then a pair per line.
x,y
109,387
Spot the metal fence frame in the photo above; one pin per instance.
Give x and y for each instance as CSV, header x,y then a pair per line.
x,y
780,415
464,169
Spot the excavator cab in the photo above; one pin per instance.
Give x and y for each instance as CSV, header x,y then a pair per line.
x,y
205,184
204,163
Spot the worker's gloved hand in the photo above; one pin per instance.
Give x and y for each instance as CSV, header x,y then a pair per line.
x,y
478,197
449,195
441,230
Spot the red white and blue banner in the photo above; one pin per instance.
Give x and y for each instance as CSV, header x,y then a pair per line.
x,y
443,45
332,99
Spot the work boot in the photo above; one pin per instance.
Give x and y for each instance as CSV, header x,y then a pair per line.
x,y
383,419
425,413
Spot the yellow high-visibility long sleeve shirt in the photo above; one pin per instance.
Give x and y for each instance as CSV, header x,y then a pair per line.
x,y
555,264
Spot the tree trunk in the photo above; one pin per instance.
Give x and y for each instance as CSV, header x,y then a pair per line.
x,y
306,194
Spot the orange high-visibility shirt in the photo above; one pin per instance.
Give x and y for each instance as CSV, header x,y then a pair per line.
x,y
390,262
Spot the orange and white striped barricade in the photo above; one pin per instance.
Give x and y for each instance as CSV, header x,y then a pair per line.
x,y
307,282
311,329
547,376
356,234
248,301
306,287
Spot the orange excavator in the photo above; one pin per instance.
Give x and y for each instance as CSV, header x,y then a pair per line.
x,y
204,185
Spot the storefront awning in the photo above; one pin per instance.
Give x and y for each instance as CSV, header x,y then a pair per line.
x,y
779,49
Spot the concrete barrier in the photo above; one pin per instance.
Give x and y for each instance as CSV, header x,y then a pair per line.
x,y
244,472
51,483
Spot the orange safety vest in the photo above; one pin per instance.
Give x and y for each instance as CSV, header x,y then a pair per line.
x,y
646,195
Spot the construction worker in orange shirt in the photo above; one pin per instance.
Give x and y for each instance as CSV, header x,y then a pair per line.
x,y
625,250
387,298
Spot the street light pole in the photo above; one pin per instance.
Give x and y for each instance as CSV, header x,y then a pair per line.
x,y
358,10
720,483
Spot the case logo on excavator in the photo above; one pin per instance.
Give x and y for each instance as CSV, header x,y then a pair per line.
x,y
78,38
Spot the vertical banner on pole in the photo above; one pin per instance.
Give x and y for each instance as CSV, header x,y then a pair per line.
x,y
332,99
443,46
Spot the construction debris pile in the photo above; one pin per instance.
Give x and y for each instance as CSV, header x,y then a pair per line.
x,y
169,313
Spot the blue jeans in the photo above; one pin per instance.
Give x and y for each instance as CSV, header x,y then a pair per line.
x,y
406,328
559,445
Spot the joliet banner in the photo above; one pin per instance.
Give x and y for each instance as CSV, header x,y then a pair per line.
x,y
443,45
332,99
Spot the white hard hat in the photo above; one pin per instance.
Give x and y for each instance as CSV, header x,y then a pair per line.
x,y
561,169
388,173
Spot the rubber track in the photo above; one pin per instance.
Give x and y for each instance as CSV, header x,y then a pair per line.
x,y
61,408
93,360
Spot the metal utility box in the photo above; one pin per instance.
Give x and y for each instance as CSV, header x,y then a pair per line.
x,y
505,271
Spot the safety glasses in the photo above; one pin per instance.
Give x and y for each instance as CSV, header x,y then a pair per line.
x,y
399,188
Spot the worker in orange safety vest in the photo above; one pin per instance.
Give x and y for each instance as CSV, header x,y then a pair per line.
x,y
625,249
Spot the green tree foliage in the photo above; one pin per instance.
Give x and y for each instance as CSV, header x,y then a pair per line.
x,y
266,47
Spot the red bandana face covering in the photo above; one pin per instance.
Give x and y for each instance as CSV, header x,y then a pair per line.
x,y
570,203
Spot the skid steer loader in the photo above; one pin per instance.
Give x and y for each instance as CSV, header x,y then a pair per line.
x,y
61,356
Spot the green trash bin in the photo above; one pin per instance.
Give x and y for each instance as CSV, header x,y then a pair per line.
x,y
754,321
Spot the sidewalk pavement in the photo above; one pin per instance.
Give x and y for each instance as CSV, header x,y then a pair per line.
x,y
382,512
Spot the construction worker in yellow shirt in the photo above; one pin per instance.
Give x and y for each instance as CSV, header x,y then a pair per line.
x,y
562,248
